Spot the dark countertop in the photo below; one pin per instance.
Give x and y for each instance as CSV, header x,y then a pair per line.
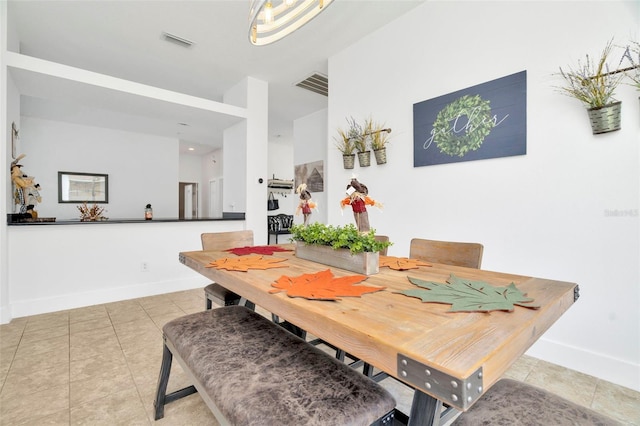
x,y
54,221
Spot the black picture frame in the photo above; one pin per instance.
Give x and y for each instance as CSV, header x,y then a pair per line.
x,y
80,187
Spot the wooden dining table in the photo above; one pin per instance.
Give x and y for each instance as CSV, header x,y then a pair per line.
x,y
447,357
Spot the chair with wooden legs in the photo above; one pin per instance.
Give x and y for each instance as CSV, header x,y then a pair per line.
x,y
215,292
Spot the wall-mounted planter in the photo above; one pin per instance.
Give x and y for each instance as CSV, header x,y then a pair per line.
x,y
364,158
605,119
348,161
362,263
381,155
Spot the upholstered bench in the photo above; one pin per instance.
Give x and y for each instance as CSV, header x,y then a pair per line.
x,y
510,402
250,371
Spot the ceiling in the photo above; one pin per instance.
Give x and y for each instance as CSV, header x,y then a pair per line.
x,y
124,39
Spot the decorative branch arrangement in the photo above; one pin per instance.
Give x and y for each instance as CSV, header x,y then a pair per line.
x,y
632,54
91,214
594,84
361,138
591,82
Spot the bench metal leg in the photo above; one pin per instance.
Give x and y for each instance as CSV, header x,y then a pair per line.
x,y
386,420
163,380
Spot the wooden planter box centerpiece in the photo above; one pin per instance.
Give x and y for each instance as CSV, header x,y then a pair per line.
x,y
341,247
362,263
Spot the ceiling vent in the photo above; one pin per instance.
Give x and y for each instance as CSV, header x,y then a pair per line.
x,y
177,39
317,83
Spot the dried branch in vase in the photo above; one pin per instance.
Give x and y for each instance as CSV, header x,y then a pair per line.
x,y
91,214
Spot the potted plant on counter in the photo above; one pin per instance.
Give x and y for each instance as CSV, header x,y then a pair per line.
x,y
594,85
343,247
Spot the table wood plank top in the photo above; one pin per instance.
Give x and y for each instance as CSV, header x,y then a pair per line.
x,y
381,326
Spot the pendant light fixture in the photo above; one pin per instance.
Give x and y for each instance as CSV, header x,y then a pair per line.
x,y
271,20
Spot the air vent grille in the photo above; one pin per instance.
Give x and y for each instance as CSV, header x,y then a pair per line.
x,y
317,83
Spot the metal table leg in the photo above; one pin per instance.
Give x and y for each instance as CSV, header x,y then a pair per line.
x,y
425,410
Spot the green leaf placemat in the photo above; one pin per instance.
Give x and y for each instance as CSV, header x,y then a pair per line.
x,y
470,296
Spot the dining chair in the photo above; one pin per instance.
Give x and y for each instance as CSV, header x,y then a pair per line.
x,y
384,239
215,292
447,252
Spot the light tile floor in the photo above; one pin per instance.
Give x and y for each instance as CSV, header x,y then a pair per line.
x,y
99,366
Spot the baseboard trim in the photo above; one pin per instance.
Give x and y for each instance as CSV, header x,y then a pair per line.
x,y
78,300
617,371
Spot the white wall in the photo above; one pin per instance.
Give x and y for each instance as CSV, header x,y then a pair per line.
x,y
142,169
57,267
74,263
257,152
235,179
541,214
212,168
8,113
310,134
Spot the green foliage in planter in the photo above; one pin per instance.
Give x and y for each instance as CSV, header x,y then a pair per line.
x,y
347,237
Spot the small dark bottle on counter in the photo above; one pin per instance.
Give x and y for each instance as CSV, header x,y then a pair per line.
x,y
148,212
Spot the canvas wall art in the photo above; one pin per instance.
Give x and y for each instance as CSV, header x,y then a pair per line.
x,y
488,120
312,174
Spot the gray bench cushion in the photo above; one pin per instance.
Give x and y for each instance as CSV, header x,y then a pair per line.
x,y
514,403
256,373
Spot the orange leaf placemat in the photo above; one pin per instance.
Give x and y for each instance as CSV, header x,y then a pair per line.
x,y
245,263
268,250
323,286
401,263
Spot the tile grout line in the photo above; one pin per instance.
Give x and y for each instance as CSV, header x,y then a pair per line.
x,y
126,360
13,357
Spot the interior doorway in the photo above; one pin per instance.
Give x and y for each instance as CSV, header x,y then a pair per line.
x,y
187,200
215,197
